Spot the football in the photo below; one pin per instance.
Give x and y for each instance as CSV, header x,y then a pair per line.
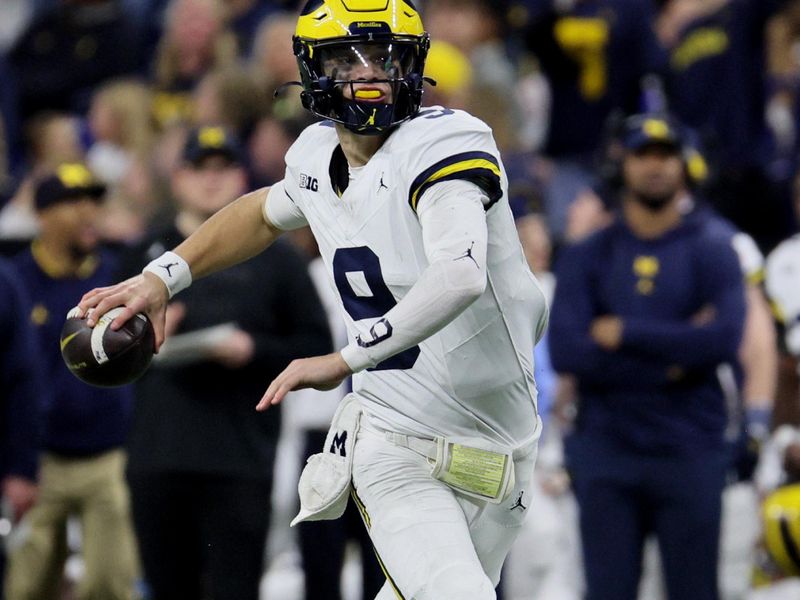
x,y
102,357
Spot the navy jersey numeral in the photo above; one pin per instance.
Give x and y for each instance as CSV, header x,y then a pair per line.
x,y
377,303
435,113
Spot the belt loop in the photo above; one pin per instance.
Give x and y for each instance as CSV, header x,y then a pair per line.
x,y
424,447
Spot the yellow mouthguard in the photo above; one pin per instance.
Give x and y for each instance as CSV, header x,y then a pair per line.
x,y
368,94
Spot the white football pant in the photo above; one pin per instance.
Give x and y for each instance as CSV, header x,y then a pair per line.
x,y
433,543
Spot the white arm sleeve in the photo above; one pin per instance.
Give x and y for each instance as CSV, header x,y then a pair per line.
x,y
454,235
281,211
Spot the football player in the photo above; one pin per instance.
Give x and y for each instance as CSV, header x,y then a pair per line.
x,y
410,211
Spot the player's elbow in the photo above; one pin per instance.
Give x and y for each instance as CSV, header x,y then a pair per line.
x,y
455,284
471,285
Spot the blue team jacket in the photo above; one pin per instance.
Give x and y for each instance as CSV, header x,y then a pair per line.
x,y
659,392
79,419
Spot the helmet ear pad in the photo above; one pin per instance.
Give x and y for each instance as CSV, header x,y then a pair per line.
x,y
317,101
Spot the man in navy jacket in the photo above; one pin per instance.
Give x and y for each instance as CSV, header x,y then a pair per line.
x,y
644,313
20,397
82,458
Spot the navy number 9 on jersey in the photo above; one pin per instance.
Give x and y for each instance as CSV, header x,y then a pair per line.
x,y
360,267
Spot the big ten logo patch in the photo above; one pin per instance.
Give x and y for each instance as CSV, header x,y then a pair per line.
x,y
308,183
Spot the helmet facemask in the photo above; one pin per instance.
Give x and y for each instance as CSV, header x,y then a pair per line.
x,y
368,83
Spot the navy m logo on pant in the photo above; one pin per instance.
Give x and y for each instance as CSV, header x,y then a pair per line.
x,y
339,441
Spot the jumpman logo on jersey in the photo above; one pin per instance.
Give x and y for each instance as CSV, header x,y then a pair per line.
x,y
382,185
468,254
168,268
518,503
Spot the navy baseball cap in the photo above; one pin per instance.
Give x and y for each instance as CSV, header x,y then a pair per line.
x,y
641,131
69,181
212,141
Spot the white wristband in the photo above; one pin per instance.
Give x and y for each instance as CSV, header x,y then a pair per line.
x,y
172,270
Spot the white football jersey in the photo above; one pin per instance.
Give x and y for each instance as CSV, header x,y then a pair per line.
x,y
471,381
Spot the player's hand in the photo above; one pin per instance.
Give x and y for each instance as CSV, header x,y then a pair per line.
x,y
606,331
320,372
21,493
143,293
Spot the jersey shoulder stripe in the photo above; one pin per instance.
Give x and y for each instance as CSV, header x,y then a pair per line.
x,y
480,168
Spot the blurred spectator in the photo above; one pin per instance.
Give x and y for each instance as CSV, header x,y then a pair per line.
x,y
267,147
14,18
750,386
245,17
783,68
526,169
495,107
229,97
121,127
323,543
533,98
452,71
123,136
476,28
52,139
781,464
644,313
82,465
750,424
538,248
148,18
201,460
273,63
783,282
10,132
716,84
20,398
586,214
68,49
195,40
543,561
595,54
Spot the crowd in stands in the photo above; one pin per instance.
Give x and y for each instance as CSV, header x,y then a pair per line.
x,y
135,90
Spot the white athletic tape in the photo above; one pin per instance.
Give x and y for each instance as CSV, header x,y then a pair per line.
x,y
98,351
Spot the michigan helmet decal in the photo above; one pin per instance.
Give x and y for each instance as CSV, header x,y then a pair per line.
x,y
781,517
361,61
